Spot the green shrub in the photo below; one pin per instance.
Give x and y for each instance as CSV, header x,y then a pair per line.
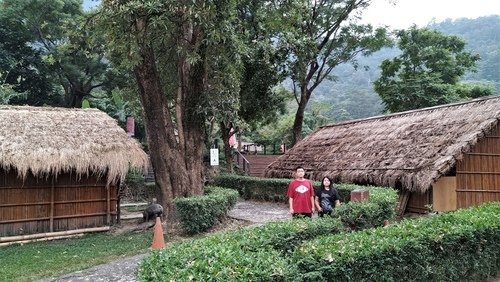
x,y
380,206
272,189
199,213
360,215
267,189
210,259
251,254
286,235
458,246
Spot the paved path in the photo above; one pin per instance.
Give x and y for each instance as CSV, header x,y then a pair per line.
x,y
124,270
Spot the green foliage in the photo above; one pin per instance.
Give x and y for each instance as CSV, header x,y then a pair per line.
x,y
7,91
480,36
320,35
214,260
458,246
426,72
268,189
368,214
275,189
21,65
56,39
260,253
199,213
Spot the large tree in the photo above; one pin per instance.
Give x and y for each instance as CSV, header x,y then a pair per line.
x,y
57,31
21,65
259,101
427,72
322,34
184,55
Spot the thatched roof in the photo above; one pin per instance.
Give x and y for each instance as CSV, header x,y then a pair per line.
x,y
410,150
45,141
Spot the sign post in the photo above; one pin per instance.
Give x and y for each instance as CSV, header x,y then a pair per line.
x,y
214,157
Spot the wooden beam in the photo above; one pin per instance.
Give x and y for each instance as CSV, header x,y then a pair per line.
x,y
52,199
55,217
402,202
478,190
479,172
52,234
58,202
483,154
108,205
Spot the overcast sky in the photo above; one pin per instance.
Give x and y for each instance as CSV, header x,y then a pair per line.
x,y
401,14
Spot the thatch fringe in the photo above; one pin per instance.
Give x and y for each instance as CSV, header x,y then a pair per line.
x,y
409,150
46,141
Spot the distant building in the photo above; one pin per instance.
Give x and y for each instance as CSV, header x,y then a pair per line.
x,y
61,169
446,156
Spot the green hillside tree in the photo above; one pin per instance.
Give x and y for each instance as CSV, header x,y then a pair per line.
x,y
57,31
259,100
427,72
21,65
321,35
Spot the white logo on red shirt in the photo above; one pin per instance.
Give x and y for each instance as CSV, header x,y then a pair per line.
x,y
302,189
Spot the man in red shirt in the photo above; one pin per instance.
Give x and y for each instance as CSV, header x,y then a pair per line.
x,y
301,195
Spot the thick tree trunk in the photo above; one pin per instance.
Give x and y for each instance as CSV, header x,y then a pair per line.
x,y
190,119
299,118
176,174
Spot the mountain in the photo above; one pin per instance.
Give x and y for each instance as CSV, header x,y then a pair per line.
x,y
352,96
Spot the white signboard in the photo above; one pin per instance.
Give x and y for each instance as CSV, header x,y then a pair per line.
x,y
214,156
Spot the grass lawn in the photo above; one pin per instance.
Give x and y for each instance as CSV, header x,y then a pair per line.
x,y
51,258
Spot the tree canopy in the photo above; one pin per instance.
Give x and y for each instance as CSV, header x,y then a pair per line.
x,y
322,35
427,72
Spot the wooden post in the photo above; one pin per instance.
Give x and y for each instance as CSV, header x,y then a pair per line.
x,y
52,205
118,201
108,202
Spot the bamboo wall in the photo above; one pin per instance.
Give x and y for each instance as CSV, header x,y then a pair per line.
x,y
478,173
40,205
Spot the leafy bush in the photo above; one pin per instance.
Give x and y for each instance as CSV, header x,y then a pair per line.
x,y
253,254
199,213
267,189
272,189
211,259
456,246
380,206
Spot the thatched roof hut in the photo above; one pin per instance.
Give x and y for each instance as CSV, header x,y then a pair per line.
x,y
60,170
46,141
409,150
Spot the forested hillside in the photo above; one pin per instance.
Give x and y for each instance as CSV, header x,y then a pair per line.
x,y
352,96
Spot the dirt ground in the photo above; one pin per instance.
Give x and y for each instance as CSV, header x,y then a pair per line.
x,y
245,213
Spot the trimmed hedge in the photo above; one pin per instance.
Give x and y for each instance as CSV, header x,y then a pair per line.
x,y
214,260
459,246
199,213
372,213
367,214
252,254
271,189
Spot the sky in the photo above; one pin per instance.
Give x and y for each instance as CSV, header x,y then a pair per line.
x,y
401,14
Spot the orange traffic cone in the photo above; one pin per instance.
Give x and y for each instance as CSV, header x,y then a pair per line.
x,y
158,240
